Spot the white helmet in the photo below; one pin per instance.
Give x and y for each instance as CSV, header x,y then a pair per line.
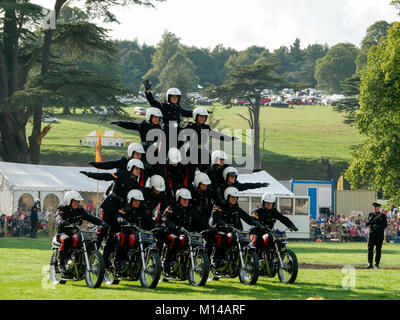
x,y
174,155
135,194
134,163
175,92
233,192
229,171
36,200
135,147
183,193
199,112
157,182
218,154
268,197
72,195
203,178
153,112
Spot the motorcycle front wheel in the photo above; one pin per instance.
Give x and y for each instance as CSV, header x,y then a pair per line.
x,y
249,274
94,277
198,274
150,276
288,273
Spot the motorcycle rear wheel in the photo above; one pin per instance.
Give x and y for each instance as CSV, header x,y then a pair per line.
x,y
95,276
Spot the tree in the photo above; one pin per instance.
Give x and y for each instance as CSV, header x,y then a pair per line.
x,y
336,66
205,65
26,62
311,54
376,161
165,50
220,54
375,33
180,73
247,82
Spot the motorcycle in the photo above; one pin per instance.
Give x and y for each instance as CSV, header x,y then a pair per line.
x,y
191,263
240,260
84,262
142,260
276,258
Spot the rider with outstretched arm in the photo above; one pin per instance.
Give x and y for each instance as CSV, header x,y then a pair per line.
x,y
267,215
67,214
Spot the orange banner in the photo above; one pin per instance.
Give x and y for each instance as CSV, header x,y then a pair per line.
x,y
99,155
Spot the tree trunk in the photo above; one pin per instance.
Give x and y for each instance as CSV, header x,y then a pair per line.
x,y
34,141
256,114
66,111
14,147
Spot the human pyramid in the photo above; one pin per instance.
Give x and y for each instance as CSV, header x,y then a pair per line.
x,y
171,198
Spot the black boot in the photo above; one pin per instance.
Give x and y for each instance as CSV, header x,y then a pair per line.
x,y
61,265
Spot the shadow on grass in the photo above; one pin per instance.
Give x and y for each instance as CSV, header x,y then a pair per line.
x,y
341,250
262,290
40,243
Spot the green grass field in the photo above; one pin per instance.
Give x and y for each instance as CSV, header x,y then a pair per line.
x,y
24,262
296,139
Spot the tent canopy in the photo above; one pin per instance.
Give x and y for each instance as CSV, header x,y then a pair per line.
x,y
50,178
61,178
274,185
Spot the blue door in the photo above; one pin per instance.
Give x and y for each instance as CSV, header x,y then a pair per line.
x,y
312,193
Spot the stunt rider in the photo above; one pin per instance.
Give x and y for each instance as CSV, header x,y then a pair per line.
x,y
177,217
71,213
225,215
124,181
267,216
135,214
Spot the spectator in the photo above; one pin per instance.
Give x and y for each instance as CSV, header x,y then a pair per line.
x,y
351,222
22,224
321,219
355,233
3,225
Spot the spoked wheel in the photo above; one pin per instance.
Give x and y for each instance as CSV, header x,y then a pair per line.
x,y
94,276
288,273
55,274
150,276
198,274
249,274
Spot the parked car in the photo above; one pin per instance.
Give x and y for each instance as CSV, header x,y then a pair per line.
x,y
102,111
139,110
204,102
50,120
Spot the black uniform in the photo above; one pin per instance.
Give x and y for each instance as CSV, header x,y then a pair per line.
x,y
201,143
65,215
121,165
232,215
174,217
137,216
34,220
176,177
202,202
153,202
220,189
377,223
170,111
123,183
268,218
143,128
215,174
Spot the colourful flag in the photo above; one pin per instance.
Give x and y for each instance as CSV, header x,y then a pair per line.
x,y
99,156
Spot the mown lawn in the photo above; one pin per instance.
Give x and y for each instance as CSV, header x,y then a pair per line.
x,y
297,138
24,261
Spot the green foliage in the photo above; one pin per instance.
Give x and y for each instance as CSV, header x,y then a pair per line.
x,y
336,66
376,161
165,50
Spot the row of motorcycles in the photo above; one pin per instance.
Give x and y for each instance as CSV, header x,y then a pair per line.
x,y
142,259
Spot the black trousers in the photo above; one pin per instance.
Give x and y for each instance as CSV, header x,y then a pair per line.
x,y
33,227
375,240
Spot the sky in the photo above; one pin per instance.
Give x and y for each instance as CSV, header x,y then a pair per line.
x,y
242,23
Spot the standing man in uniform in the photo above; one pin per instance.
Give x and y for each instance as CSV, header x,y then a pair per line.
x,y
377,222
34,217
